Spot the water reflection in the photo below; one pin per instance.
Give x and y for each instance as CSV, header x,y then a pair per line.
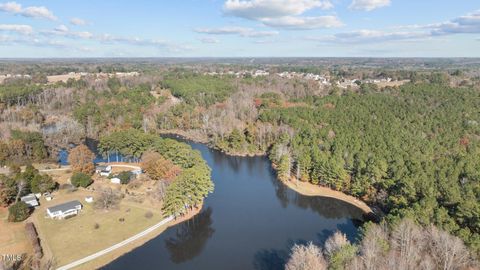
x,y
324,206
190,237
270,259
251,221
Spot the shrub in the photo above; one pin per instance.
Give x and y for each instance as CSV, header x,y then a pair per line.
x,y
81,180
149,214
96,226
33,237
124,177
66,186
18,212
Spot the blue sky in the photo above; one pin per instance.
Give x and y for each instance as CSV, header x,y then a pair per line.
x,y
236,28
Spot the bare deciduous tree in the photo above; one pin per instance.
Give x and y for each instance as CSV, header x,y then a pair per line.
x,y
335,243
307,257
373,247
407,240
448,251
108,199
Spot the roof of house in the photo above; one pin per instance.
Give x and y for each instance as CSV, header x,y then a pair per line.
x,y
64,206
29,197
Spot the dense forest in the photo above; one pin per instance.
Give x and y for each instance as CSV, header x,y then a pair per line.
x,y
192,88
414,151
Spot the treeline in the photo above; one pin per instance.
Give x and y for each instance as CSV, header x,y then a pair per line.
x,y
18,184
189,187
198,89
404,245
22,147
19,92
413,151
115,106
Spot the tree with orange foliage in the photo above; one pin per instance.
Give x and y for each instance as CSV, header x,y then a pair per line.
x,y
159,168
81,159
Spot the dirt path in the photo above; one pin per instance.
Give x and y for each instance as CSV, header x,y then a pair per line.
x,y
308,189
47,252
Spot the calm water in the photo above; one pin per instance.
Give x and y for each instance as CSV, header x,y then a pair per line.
x,y
92,145
249,222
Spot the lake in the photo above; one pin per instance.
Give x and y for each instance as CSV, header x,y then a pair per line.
x,y
250,221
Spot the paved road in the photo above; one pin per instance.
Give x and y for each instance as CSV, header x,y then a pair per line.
x,y
116,246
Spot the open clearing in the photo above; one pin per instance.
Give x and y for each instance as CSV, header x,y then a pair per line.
x,y
13,239
75,238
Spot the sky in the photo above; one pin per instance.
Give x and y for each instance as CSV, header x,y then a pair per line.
x,y
239,28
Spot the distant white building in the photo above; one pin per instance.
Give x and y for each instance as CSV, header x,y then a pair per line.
x,y
260,73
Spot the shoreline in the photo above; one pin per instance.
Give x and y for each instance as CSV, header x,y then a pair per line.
x,y
303,188
184,135
117,253
300,187
308,189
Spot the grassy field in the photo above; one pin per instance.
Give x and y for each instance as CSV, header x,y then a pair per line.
x,y
77,237
13,239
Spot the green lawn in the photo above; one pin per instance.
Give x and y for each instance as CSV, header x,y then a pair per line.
x,y
77,237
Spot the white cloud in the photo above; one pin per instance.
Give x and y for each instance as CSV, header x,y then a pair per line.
x,y
304,22
32,41
258,9
234,30
209,40
64,31
18,28
78,21
136,41
467,24
48,43
11,7
222,30
369,5
282,13
369,36
32,11
61,28
107,38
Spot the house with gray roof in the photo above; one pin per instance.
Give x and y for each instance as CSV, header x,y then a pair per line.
x,y
103,170
64,210
30,200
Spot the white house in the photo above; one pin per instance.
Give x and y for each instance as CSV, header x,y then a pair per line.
x,y
104,170
64,210
30,200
